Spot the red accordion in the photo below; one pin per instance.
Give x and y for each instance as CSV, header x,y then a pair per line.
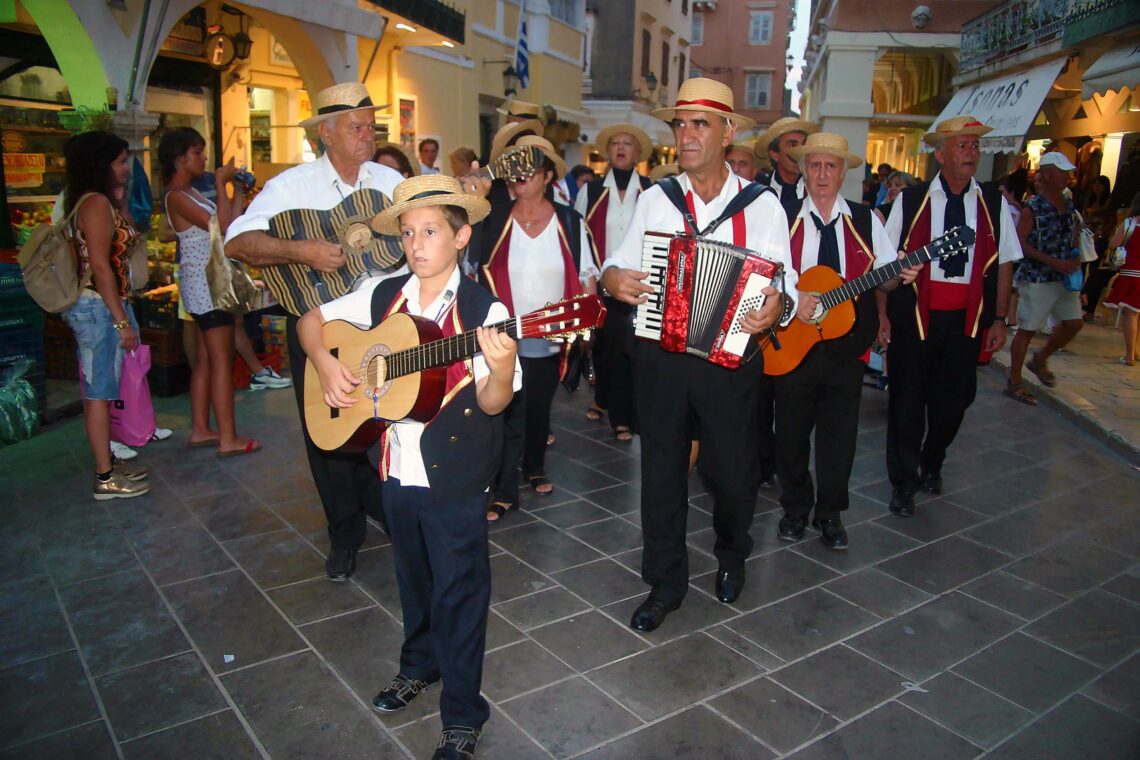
x,y
702,289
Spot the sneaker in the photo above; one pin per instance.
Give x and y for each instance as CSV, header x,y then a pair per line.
x,y
132,472
399,694
117,487
457,743
161,434
122,451
268,378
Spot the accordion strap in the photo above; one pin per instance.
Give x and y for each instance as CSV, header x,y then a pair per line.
x,y
750,192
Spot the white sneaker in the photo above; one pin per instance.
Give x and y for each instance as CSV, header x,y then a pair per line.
x,y
267,378
161,434
122,451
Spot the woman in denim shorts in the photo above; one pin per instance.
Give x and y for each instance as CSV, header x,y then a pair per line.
x,y
98,166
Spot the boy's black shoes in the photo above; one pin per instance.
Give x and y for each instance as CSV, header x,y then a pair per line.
x,y
457,743
340,565
399,694
651,614
902,504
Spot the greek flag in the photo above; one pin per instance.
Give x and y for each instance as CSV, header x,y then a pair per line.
x,y
522,55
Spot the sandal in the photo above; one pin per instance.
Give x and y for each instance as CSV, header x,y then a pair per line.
x,y
623,433
1126,362
498,509
1047,378
204,443
595,413
537,482
1018,393
251,446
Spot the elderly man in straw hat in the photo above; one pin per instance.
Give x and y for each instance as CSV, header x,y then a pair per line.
x,y
824,391
672,388
785,134
936,325
607,205
346,122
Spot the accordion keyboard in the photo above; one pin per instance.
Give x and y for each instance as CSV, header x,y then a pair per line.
x,y
655,261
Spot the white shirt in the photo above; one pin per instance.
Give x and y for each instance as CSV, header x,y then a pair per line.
x,y
425,169
405,460
619,211
766,226
774,183
881,247
562,192
1009,247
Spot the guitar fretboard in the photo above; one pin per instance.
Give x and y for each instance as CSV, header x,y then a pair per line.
x,y
876,277
440,353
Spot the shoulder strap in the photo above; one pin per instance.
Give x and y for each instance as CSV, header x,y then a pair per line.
x,y
741,201
672,189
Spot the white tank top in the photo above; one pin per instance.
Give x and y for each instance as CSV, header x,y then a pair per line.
x,y
194,249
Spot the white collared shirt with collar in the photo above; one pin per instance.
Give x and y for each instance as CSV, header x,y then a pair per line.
x,y
425,169
774,183
619,211
313,185
881,247
1009,247
766,225
406,462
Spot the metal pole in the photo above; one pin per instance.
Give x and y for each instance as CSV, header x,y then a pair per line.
x,y
138,52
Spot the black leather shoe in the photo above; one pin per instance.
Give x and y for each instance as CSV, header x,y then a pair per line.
x,y
457,743
340,564
729,584
651,614
792,528
902,504
832,533
931,483
400,693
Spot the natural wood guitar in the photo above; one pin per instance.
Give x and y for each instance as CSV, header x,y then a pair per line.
x,y
300,288
835,316
402,363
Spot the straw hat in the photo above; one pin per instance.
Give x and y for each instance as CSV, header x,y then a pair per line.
x,y
955,127
413,159
826,142
700,94
661,171
602,141
520,109
338,99
547,150
506,136
782,127
428,190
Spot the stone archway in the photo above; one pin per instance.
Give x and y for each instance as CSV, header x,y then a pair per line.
x,y
75,50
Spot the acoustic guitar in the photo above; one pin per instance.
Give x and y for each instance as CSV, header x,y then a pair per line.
x,y
835,315
300,288
402,363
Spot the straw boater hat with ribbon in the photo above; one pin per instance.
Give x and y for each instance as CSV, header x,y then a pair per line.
x,y
547,150
429,190
700,94
826,142
955,127
602,142
782,127
520,109
507,135
661,171
338,99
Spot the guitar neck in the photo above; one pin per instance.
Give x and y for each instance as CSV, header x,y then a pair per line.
x,y
874,278
440,353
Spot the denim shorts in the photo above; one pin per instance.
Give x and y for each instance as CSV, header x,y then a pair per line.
x,y
100,351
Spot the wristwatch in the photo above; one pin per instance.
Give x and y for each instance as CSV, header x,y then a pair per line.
x,y
122,324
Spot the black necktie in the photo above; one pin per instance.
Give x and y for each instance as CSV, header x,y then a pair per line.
x,y
828,254
955,216
788,193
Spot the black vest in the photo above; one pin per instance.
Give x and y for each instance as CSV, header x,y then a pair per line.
x,y
461,447
485,234
862,335
902,301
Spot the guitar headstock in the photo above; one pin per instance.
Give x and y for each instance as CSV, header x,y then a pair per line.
x,y
565,320
953,244
516,163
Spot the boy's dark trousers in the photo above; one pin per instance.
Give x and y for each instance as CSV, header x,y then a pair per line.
x,y
444,576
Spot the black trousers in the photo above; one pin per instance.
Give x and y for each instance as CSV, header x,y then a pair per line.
x,y
673,392
823,394
349,486
444,576
933,382
1096,278
766,419
613,362
527,424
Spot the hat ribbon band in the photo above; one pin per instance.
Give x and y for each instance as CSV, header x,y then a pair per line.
x,y
965,126
715,105
429,194
325,110
524,115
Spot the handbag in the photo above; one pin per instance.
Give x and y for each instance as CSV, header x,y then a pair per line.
x,y
1088,246
132,414
576,359
231,288
50,265
1114,258
138,258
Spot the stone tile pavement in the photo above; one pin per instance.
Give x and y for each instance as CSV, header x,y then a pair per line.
x,y
1003,620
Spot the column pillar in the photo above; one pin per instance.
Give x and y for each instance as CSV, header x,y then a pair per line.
x,y
846,106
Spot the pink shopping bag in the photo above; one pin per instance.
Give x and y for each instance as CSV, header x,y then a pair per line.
x,y
132,415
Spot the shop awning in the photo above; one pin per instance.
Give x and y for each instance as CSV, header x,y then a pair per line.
x,y
1115,70
1009,104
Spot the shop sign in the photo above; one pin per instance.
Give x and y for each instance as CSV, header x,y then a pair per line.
x,y
13,141
23,170
1091,18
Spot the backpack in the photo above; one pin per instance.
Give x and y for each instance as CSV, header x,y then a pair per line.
x,y
51,267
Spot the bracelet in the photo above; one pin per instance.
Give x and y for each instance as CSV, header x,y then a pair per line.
x,y
1000,318
122,324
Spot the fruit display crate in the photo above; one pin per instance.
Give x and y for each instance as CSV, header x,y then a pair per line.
x,y
166,349
156,313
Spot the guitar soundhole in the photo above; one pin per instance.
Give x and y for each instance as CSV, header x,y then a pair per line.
x,y
374,372
355,234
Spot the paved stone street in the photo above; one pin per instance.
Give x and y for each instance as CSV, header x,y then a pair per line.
x,y
196,622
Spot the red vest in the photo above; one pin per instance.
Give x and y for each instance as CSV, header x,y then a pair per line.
x,y
497,270
858,259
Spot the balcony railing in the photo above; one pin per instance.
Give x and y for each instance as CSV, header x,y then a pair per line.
x,y
1011,28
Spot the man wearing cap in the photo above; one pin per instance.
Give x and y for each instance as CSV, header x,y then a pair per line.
x,y
607,206
785,134
1048,240
674,389
936,324
824,391
346,121
742,160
